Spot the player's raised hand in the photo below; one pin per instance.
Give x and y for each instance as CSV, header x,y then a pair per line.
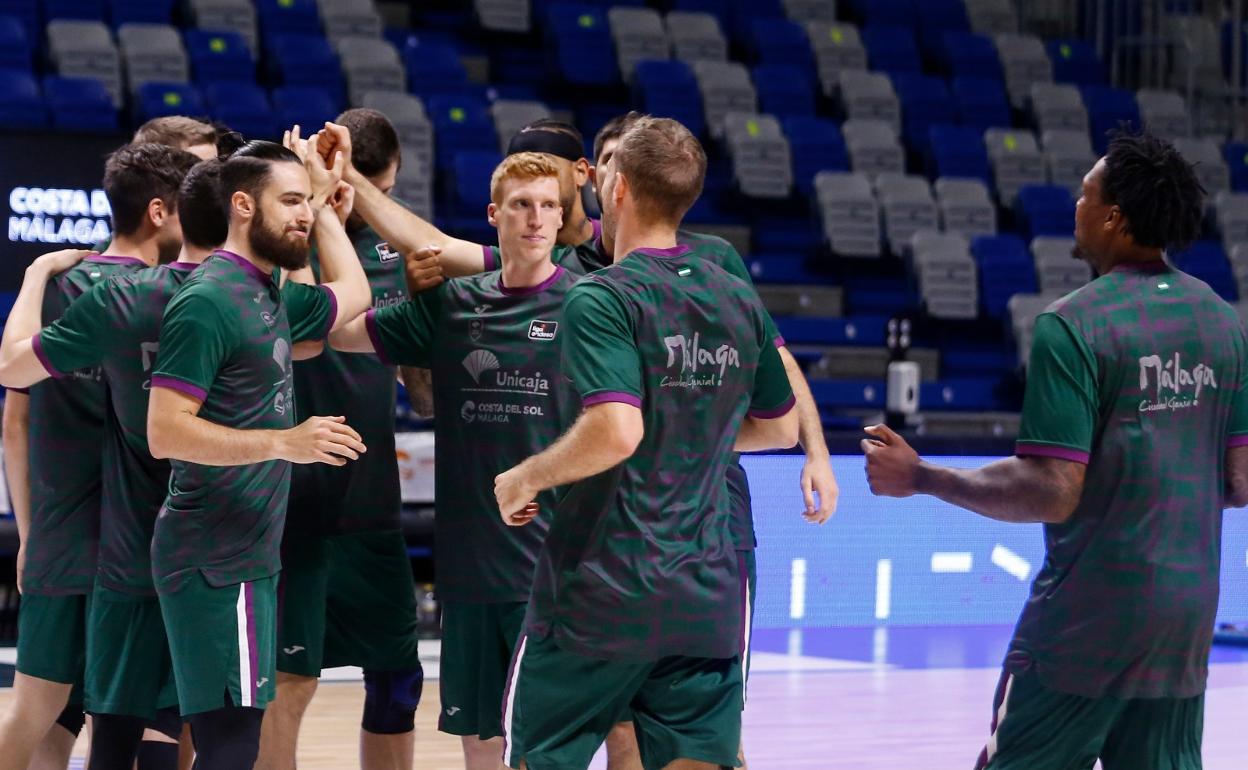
x,y
325,172
343,201
59,261
892,465
819,481
423,269
335,138
326,440
515,498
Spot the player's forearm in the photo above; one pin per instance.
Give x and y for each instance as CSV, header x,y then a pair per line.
x,y
1237,477
809,423
604,436
1016,489
17,458
760,435
192,439
419,385
352,337
341,271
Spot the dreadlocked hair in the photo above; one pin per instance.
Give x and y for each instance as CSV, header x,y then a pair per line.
x,y
1156,189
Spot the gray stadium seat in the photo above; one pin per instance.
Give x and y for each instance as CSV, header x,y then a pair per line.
x,y
86,49
504,15
762,161
965,207
803,11
1197,64
695,36
1230,210
1069,157
1058,106
639,35
850,213
228,16
726,87
407,113
874,148
1239,264
908,207
1025,63
370,64
804,300
1058,271
991,17
1024,308
837,47
511,115
1164,113
152,52
414,184
946,273
350,18
1016,161
1211,167
870,96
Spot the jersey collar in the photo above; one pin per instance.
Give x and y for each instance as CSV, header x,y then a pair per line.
x,y
1147,266
101,259
264,278
525,291
183,266
678,250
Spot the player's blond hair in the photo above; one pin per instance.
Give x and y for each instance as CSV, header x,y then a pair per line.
x,y
523,166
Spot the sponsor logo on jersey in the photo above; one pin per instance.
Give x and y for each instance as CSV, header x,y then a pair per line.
x,y
478,362
468,412
476,327
452,711
543,331
294,648
1168,387
268,319
495,412
385,253
699,365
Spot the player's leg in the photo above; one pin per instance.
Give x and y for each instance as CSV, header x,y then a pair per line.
x,y
226,739
58,744
159,749
749,567
115,740
622,751
1157,734
549,725
371,622
300,649
689,709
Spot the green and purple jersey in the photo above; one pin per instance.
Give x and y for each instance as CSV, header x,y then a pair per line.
x,y
495,357
226,341
1141,375
640,562
67,429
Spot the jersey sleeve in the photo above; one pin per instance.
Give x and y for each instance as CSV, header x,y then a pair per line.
x,y
600,354
311,310
197,336
1060,403
1238,433
772,395
78,339
404,334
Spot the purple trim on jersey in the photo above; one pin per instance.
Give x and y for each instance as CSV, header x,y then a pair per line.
x,y
779,340
182,386
596,224
527,291
675,251
611,396
37,344
1144,266
253,655
245,264
374,336
488,255
1025,449
771,414
101,259
333,309
23,391
183,266
1240,440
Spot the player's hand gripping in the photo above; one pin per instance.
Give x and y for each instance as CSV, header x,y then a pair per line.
x,y
335,139
343,201
326,440
818,479
324,171
892,465
515,498
59,261
423,269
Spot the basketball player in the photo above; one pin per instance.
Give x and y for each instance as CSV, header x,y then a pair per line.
x,y
1134,438
58,519
492,342
221,408
346,583
183,133
638,597
566,147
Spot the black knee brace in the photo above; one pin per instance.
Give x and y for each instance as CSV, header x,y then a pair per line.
x,y
390,700
167,722
72,718
226,739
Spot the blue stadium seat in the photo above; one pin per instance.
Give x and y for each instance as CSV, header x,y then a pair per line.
x,y
140,11
957,151
669,89
89,10
968,54
936,17
982,102
1005,269
432,67
461,124
219,56
785,90
780,41
925,102
816,145
16,51
28,13
306,60
898,12
779,268
1046,210
155,100
21,104
1076,62
1236,154
470,173
581,38
288,17
865,330
80,105
1207,261
976,394
1109,109
306,106
891,49
849,394
245,108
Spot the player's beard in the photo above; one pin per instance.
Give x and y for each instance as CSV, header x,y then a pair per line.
x,y
275,247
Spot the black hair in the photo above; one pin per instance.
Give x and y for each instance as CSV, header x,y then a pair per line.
x,y
374,141
136,173
1156,189
558,126
247,168
204,223
614,129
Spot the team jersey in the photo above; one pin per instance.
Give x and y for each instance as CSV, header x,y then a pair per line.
x,y
495,358
592,255
226,341
640,562
67,418
362,495
1141,375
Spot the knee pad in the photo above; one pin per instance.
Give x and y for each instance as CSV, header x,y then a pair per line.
x,y
167,722
390,700
72,718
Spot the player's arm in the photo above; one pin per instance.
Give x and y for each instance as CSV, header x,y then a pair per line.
x,y
820,490
16,440
400,335
341,270
1237,448
21,364
772,420
419,385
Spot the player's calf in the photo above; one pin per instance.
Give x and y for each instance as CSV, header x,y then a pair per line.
x,y
38,704
622,751
226,739
483,755
279,734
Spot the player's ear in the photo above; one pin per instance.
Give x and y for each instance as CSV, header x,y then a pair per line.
x,y
491,214
156,212
620,189
582,172
242,204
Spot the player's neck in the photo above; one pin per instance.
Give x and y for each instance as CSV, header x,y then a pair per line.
x,y
631,236
1132,255
522,274
127,246
576,226
193,255
240,247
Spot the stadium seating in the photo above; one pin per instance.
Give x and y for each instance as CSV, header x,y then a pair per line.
x,y
1005,269
304,105
947,275
725,87
669,89
639,35
849,212
1068,157
908,207
837,47
155,99
433,67
16,48
86,49
695,36
153,53
1075,62
1046,210
965,207
1016,161
245,108
1235,155
816,145
874,147
219,56
1057,269
1024,63
21,103
891,49
1207,261
981,102
80,105
227,15
925,102
784,90
582,46
957,151
1109,109
762,163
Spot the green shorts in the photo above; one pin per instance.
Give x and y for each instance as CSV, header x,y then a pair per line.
x,y
128,667
559,707
750,567
52,638
347,600
477,643
1036,728
222,642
